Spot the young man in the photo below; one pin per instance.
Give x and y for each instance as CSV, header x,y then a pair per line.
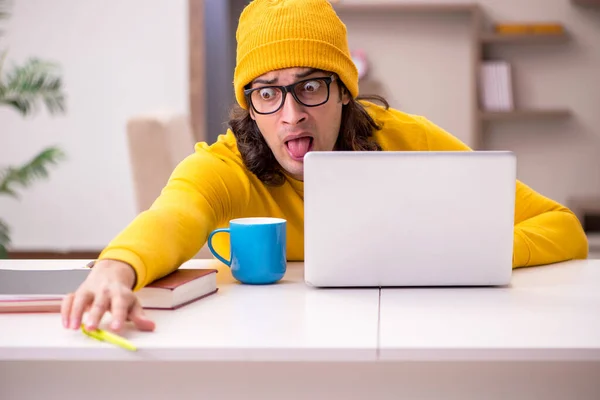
x,y
296,87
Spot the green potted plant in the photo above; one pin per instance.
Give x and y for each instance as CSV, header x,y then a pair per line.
x,y
24,88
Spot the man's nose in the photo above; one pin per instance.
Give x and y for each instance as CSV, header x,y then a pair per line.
x,y
292,112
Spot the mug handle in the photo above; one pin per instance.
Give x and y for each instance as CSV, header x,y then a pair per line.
x,y
212,250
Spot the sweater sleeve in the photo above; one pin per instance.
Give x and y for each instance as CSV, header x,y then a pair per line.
x,y
545,231
202,192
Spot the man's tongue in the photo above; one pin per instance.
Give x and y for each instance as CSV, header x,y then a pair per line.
x,y
299,147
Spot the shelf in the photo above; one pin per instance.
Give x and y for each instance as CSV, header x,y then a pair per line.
x,y
593,241
406,7
516,38
586,3
517,115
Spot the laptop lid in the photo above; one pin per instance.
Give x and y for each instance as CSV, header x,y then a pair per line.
x,y
409,218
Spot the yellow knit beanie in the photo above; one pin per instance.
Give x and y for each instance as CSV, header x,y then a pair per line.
x,y
276,34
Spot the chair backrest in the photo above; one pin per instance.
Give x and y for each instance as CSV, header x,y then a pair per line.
x,y
157,143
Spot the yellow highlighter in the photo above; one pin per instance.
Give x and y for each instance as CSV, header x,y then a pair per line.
x,y
109,337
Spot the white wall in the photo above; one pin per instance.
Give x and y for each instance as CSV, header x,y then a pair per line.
x,y
139,65
118,59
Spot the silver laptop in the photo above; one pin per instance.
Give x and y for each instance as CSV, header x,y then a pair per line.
x,y
408,218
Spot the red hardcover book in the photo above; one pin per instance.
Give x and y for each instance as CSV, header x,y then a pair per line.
x,y
181,287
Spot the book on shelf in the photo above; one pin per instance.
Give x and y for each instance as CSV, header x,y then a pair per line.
x,y
43,290
533,28
496,90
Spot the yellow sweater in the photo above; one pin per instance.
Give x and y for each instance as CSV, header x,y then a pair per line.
x,y
212,186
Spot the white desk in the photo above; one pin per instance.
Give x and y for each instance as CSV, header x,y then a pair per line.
x,y
538,339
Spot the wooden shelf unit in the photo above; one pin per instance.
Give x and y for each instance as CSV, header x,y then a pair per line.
x,y
479,40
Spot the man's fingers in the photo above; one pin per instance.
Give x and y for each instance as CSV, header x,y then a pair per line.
x,y
99,307
65,309
80,303
139,319
120,307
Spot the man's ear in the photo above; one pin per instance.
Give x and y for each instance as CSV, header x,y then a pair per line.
x,y
345,96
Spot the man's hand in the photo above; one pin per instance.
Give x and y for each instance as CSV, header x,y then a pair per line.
x,y
107,288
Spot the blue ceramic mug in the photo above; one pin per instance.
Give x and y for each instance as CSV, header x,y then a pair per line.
x,y
258,249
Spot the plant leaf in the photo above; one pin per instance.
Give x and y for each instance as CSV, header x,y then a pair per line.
x,y
37,81
33,170
2,58
4,239
4,233
5,189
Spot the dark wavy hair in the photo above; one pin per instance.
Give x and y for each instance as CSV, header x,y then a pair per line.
x,y
356,134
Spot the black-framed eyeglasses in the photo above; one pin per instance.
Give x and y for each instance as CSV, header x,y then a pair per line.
x,y
310,92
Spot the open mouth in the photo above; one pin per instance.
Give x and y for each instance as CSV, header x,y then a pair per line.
x,y
298,147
